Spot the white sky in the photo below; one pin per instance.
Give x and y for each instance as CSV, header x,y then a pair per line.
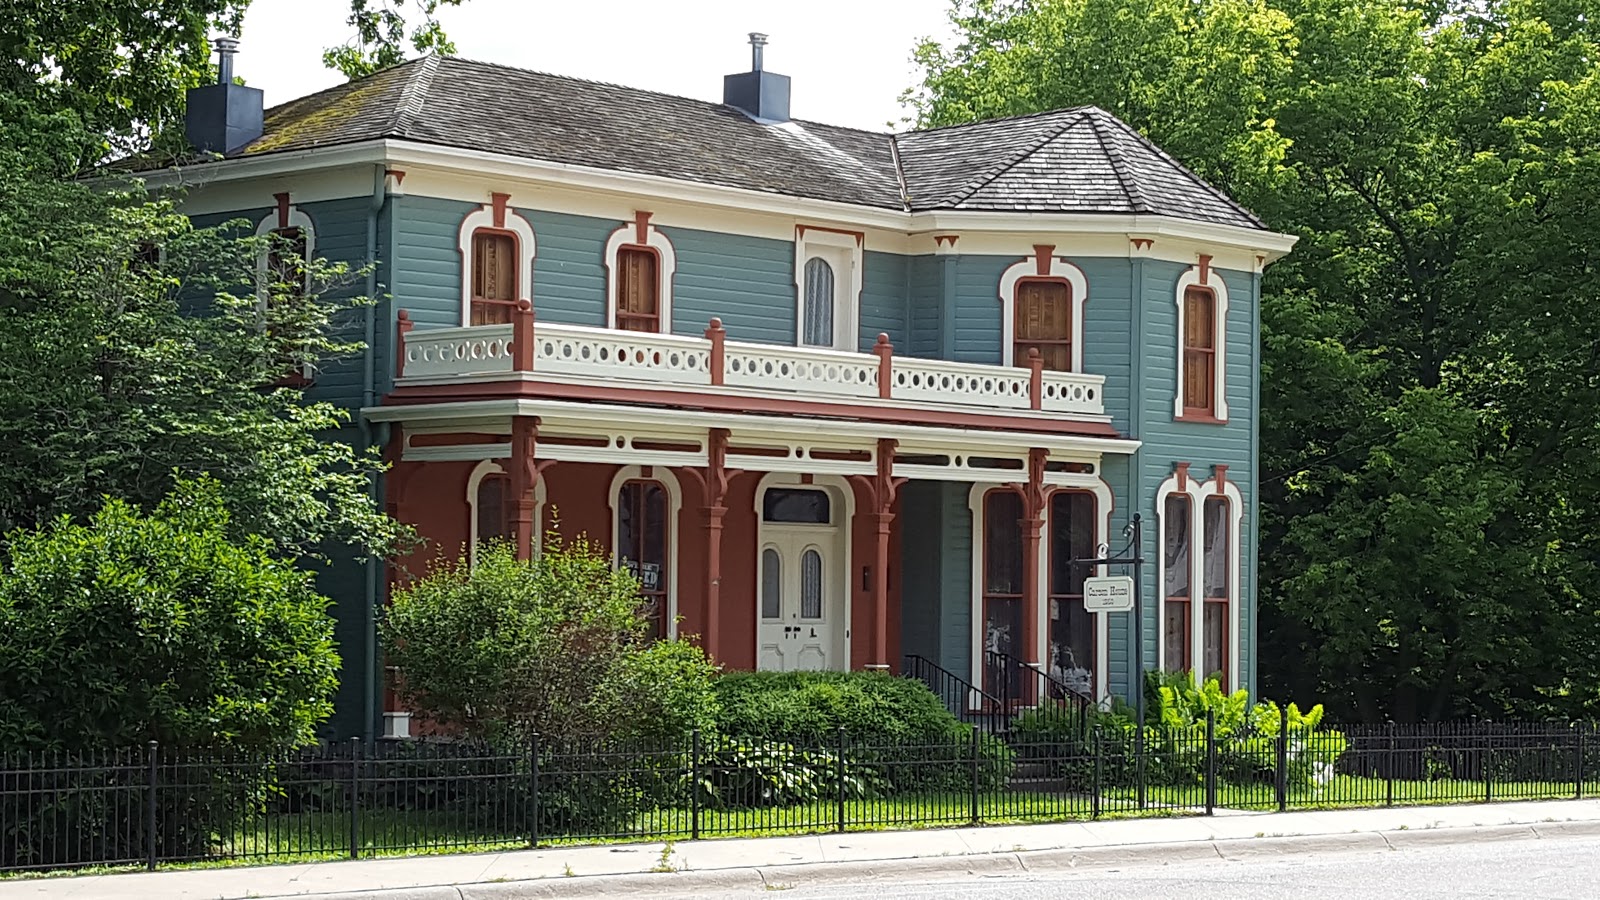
x,y
850,59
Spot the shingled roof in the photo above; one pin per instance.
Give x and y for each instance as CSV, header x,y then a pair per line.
x,y
1081,160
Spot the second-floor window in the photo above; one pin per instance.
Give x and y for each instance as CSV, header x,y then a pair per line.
x,y
1199,351
827,276
638,275
817,307
1043,322
494,277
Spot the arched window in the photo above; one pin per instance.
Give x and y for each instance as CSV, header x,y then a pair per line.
x,y
1043,322
820,292
643,539
1003,586
1176,567
1218,543
1199,351
638,275
771,584
1073,530
494,508
811,584
494,276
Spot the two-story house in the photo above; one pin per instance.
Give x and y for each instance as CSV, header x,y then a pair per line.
x,y
837,397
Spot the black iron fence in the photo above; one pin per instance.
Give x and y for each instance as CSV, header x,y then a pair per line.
x,y
155,805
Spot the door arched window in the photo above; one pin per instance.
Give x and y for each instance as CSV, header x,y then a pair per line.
x,y
821,289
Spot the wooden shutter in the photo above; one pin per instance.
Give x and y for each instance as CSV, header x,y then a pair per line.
x,y
494,278
638,290
1199,350
1043,322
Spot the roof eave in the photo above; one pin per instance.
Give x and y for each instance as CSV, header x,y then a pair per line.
x,y
1270,244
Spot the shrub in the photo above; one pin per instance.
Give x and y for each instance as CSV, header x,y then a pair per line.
x,y
753,774
895,725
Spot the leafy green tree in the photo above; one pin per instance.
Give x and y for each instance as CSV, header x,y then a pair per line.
x,y
382,36
1429,424
554,645
164,627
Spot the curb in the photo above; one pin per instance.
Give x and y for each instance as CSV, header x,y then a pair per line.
x,y
980,864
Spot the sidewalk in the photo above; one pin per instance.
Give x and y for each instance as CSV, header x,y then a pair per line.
x,y
759,863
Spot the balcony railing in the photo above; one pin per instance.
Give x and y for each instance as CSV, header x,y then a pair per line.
x,y
484,352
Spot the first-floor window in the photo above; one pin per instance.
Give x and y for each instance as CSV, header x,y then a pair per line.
x,y
1218,543
1175,568
1072,628
642,541
1002,588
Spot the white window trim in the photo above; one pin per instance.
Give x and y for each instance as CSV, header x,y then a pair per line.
x,y
1229,491
1198,492
1104,505
669,481
666,271
1212,282
847,304
843,500
1027,269
295,218
484,217
474,481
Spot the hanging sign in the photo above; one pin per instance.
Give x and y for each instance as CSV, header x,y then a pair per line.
x,y
1108,593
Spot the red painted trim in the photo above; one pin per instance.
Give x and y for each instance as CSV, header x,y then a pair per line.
x,y
522,347
641,227
1036,378
1205,269
499,202
940,240
283,208
1182,471
885,353
718,337
405,396
1199,417
1142,243
807,478
1042,254
403,327
800,233
1221,475
399,175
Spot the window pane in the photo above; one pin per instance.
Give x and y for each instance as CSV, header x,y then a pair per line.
x,y
494,267
1175,555
1002,633
638,290
1176,637
811,585
1199,379
493,523
1216,547
1043,322
1002,543
1199,319
1216,638
1072,635
1072,534
805,507
771,584
642,533
818,311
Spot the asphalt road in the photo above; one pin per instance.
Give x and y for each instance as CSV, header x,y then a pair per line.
x,y
1550,869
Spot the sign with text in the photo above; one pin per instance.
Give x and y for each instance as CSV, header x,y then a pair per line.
x,y
1108,593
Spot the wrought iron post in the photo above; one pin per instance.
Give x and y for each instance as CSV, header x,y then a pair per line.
x,y
150,809
1211,761
1577,768
839,800
533,790
1095,813
1488,766
1283,758
1388,769
975,745
355,797
1136,523
694,784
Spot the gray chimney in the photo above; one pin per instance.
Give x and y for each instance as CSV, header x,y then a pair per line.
x,y
762,95
223,117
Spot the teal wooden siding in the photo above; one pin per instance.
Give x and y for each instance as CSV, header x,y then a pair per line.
x,y
884,281
340,229
936,560
748,282
926,306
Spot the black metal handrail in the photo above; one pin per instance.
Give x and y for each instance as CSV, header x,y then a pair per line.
x,y
967,701
1024,691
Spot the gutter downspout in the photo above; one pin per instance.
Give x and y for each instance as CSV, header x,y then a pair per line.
x,y
368,399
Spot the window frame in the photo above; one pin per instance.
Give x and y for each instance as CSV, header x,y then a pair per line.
x,y
1042,265
287,216
649,238
1168,601
986,596
1202,278
1073,353
494,468
1052,597
496,216
516,275
842,250
674,500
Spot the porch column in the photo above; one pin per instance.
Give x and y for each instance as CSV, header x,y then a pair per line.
x,y
714,488
524,479
884,486
1032,527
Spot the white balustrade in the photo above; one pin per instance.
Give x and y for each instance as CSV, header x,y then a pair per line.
x,y
448,352
801,370
609,354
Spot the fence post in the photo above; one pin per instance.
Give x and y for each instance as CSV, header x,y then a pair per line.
x,y
1388,769
694,782
1282,783
1138,760
1488,768
1098,784
1577,768
533,790
355,797
974,774
1211,761
150,809
840,765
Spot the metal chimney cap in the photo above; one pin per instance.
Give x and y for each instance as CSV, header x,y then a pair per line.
x,y
227,45
757,39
